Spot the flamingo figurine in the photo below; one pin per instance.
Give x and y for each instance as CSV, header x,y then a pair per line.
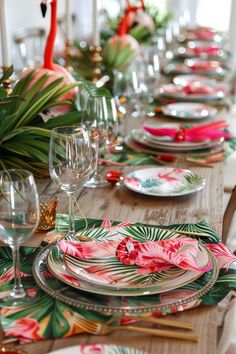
x,y
139,16
56,71
122,35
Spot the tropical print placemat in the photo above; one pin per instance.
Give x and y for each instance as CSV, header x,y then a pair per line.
x,y
51,318
129,157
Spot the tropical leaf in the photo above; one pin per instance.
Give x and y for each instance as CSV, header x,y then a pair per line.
x,y
7,74
24,136
140,33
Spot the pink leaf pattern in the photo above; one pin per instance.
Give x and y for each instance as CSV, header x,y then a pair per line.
x,y
222,253
24,328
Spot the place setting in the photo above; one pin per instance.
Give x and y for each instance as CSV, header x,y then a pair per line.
x,y
203,33
202,49
198,66
189,111
194,91
81,266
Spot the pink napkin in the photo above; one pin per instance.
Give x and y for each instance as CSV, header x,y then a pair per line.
x,y
203,132
203,65
160,255
201,33
212,50
153,256
196,87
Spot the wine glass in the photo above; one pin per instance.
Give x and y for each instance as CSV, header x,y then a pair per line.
x,y
95,119
112,128
19,217
70,162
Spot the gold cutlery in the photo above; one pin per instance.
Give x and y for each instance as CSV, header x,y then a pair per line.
x,y
98,328
161,321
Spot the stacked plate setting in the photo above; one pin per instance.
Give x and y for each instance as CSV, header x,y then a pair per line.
x,y
141,141
107,285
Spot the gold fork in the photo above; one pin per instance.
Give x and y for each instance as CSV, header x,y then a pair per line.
x,y
98,328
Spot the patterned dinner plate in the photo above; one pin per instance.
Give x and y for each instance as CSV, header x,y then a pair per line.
x,y
110,276
184,80
189,110
175,300
191,66
97,349
177,92
151,141
164,181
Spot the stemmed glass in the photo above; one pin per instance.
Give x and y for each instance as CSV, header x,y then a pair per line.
x,y
70,162
19,217
112,129
131,88
95,119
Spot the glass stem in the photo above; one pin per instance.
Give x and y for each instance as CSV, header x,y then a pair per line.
x,y
71,211
96,169
17,291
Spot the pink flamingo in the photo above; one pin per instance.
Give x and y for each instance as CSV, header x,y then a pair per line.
x,y
139,16
122,35
56,71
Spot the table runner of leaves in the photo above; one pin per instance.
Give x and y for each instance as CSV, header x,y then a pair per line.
x,y
50,318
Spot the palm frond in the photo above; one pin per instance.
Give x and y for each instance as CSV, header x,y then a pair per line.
x,y
24,136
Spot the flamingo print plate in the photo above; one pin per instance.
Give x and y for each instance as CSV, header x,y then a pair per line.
x,y
167,144
197,92
109,276
97,349
164,181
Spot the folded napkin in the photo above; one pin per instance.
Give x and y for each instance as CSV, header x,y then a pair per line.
x,y
202,33
197,133
196,87
212,50
203,65
151,256
160,255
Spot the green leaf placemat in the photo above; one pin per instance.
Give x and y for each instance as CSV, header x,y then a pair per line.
x,y
51,318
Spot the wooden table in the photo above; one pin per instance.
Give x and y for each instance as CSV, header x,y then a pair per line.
x,y
118,203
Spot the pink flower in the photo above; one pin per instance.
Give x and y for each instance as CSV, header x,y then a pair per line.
x,y
106,224
25,328
223,255
92,349
132,181
31,292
